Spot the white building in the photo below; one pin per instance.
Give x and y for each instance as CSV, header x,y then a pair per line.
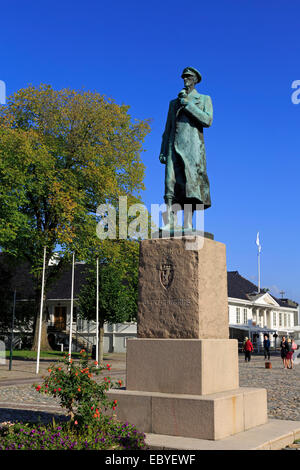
x,y
254,314
250,313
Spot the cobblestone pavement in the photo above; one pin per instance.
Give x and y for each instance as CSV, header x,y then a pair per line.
x,y
26,368
283,385
282,388
20,401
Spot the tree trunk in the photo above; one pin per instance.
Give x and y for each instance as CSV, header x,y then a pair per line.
x,y
101,340
45,346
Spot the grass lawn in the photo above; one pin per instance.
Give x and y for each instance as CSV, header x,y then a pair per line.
x,y
24,354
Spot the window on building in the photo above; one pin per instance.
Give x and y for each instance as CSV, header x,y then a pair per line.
x,y
238,315
80,324
74,314
289,320
274,319
285,319
245,316
295,318
280,319
125,341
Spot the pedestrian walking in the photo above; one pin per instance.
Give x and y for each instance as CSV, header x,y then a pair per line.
x,y
296,355
294,348
266,347
243,347
283,351
248,348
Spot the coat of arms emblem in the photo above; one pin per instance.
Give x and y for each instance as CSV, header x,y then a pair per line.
x,y
166,275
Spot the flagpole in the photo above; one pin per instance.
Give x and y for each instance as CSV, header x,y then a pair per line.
x,y
71,311
97,311
12,331
258,261
41,314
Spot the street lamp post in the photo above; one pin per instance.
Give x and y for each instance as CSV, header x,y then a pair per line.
x,y
12,331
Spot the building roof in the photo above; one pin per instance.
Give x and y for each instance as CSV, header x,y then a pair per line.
x,y
240,288
21,280
61,288
18,277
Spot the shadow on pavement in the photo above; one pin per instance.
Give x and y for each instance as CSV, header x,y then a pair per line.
x,y
43,417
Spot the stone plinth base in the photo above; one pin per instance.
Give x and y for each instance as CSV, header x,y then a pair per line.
x,y
182,370
276,434
182,289
213,416
187,366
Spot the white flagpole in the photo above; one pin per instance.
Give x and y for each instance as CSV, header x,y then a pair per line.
x,y
258,259
71,310
97,311
41,315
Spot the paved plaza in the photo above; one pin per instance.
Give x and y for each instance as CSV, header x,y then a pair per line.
x,y
283,385
20,401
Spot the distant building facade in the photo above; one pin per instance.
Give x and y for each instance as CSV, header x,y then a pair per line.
x,y
254,314
250,313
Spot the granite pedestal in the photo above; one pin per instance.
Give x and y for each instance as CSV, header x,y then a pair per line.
x,y
182,291
182,370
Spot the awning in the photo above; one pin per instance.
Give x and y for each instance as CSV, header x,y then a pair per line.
x,y
253,328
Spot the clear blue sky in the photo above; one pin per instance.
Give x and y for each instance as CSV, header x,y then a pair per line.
x,y
248,53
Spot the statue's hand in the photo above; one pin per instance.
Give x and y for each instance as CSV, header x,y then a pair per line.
x,y
162,158
183,101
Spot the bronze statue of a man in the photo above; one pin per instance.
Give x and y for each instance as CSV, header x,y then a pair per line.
x,y
183,150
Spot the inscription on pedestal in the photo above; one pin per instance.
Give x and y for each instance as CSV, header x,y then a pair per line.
x,y
167,302
182,293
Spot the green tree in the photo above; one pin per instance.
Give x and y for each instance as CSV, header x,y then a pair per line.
x,y
62,153
6,297
118,286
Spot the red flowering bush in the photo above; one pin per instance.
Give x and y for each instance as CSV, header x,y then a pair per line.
x,y
84,399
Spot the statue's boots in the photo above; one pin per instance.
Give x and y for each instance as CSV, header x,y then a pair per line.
x,y
188,221
168,219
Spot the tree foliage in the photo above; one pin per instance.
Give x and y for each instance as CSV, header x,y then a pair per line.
x,y
62,153
118,280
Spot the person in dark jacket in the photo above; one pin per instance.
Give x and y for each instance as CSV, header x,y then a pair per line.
x,y
283,351
289,353
266,347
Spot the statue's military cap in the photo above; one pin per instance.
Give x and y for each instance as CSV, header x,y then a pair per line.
x,y
192,71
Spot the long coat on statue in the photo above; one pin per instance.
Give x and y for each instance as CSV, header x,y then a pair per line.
x,y
183,151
